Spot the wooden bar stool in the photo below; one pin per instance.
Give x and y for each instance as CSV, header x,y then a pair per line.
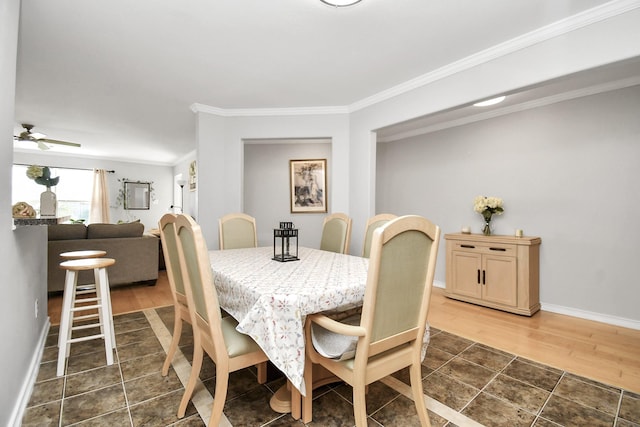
x,y
91,287
81,255
101,302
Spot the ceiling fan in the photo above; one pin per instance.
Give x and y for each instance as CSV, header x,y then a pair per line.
x,y
39,138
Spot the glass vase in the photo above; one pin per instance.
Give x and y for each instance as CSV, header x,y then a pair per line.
x,y
48,203
486,230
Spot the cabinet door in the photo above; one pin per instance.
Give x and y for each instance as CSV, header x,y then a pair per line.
x,y
500,280
466,274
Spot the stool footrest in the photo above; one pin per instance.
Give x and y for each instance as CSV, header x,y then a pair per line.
x,y
87,338
86,317
89,326
86,307
86,300
85,291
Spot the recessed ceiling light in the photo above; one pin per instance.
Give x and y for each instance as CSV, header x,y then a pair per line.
x,y
491,101
340,3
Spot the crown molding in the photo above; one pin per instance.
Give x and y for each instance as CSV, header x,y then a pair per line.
x,y
94,157
203,108
255,112
558,28
540,102
186,158
555,29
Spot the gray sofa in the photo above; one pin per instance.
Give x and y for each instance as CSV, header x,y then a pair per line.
x,y
136,253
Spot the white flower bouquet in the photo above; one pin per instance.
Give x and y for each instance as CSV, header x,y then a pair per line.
x,y
487,207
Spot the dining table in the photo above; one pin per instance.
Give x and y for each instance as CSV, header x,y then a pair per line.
x,y
270,299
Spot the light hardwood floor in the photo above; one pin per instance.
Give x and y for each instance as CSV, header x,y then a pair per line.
x,y
605,353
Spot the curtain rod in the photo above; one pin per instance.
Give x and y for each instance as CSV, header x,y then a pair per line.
x,y
65,167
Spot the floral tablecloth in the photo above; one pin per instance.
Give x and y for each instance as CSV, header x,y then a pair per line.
x,y
271,299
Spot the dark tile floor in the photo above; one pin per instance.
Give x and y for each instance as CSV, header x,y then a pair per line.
x,y
466,384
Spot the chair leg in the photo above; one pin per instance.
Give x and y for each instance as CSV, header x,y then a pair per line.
x,y
66,320
196,365
418,394
360,405
222,383
103,311
262,372
107,301
296,401
307,399
177,332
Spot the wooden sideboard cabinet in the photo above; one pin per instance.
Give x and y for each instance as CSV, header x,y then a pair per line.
x,y
500,272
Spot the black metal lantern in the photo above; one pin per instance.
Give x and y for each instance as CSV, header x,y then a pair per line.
x,y
285,243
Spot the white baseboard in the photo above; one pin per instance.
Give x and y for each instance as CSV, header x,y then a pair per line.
x,y
590,315
576,312
15,420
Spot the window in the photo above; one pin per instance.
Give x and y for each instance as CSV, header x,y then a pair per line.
x,y
73,190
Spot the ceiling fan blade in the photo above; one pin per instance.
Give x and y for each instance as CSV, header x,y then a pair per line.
x,y
37,135
55,141
42,145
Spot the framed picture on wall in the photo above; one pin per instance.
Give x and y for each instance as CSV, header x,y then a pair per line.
x,y
137,195
192,176
308,185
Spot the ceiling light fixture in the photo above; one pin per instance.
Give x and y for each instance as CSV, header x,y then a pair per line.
x,y
340,3
491,101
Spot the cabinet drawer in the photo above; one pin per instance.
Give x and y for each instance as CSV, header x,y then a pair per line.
x,y
485,248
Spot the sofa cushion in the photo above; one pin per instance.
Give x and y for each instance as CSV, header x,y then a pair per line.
x,y
67,231
107,231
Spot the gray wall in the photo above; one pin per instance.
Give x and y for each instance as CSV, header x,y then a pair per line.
x,y
23,275
221,165
266,188
567,172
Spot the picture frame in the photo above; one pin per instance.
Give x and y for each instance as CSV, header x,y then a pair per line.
x,y
137,195
308,186
192,176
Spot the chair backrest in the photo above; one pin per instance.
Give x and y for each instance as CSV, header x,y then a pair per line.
x,y
399,282
373,223
237,230
171,257
336,233
201,292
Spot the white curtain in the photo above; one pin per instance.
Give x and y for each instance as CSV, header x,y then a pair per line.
x,y
99,210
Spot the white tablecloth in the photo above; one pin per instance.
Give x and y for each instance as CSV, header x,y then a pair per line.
x,y
271,299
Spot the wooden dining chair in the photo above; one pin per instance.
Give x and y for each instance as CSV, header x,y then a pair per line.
x,y
336,233
237,230
176,284
229,349
388,335
373,223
